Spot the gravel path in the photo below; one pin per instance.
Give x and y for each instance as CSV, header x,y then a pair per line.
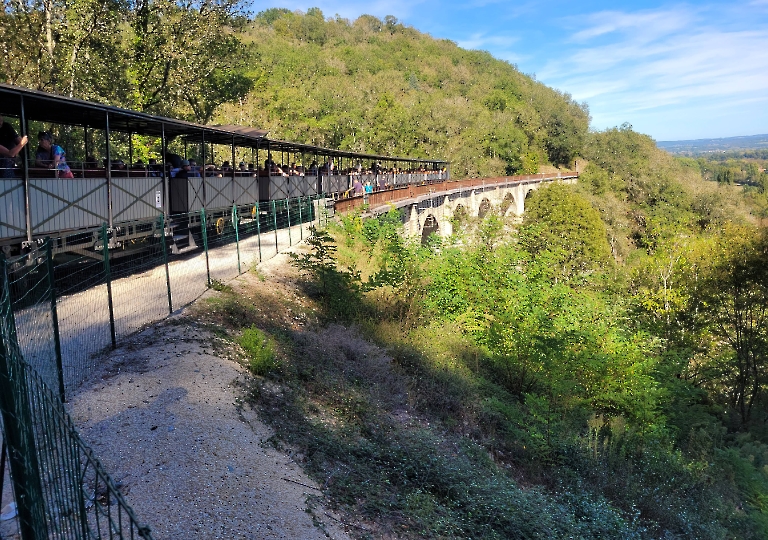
x,y
162,415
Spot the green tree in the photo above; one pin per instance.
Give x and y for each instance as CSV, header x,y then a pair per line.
x,y
736,297
561,223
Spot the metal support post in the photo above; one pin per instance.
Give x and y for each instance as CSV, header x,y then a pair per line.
x,y
108,170
26,155
205,245
235,219
301,222
258,227
274,216
55,318
108,277
288,209
165,261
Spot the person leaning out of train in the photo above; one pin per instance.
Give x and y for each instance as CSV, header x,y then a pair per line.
x,y
10,146
51,156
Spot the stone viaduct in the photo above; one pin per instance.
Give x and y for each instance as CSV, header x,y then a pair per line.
x,y
432,207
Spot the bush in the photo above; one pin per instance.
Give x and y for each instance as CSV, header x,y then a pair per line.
x,y
260,349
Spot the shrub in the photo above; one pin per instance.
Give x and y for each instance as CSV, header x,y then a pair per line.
x,y
260,349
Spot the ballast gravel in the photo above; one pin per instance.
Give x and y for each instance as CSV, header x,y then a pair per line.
x,y
163,417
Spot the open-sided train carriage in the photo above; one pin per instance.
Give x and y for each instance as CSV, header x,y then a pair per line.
x,y
37,203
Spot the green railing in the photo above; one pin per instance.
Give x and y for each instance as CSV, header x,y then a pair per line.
x,y
59,313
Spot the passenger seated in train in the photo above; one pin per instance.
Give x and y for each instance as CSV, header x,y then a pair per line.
x,y
51,156
184,170
313,169
194,170
242,167
10,146
154,168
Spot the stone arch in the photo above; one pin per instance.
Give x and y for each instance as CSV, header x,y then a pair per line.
x,y
484,207
430,226
460,214
506,203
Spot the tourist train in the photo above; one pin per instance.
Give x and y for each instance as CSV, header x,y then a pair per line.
x,y
69,199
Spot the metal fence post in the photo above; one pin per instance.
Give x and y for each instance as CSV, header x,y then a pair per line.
x,y
205,244
18,432
258,227
237,236
55,317
288,209
274,216
165,261
301,222
108,277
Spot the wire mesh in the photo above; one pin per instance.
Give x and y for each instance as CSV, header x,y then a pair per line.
x,y
83,313
188,275
222,244
102,300
60,488
30,296
138,279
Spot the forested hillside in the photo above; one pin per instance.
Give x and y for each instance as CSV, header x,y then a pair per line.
x,y
372,85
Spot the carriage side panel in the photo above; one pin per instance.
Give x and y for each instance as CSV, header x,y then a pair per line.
x,y
13,221
59,204
246,189
218,191
136,198
278,187
195,194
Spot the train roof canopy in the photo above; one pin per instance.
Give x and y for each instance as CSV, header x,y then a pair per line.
x,y
47,107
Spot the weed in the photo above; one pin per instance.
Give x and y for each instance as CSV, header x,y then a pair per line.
x,y
260,349
220,286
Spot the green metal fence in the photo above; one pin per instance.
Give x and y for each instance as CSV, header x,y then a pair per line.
x,y
126,277
58,313
60,488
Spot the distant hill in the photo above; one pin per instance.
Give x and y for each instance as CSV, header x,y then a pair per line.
x,y
704,146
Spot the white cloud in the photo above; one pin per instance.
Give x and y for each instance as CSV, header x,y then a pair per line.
x,y
634,63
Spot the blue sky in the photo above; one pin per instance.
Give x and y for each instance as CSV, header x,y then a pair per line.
x,y
672,70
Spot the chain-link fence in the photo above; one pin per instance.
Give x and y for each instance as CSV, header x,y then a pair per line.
x,y
63,304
